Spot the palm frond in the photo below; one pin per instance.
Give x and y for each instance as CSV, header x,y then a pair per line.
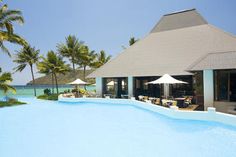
x,y
13,38
26,56
20,67
3,8
9,27
5,87
5,78
12,12
18,19
7,17
4,49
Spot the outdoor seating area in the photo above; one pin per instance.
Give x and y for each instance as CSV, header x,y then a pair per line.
x,y
79,94
182,102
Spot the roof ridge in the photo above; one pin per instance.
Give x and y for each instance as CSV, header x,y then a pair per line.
x,y
222,52
196,61
221,30
181,11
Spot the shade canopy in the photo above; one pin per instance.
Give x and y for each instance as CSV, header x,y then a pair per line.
x,y
112,83
166,79
78,82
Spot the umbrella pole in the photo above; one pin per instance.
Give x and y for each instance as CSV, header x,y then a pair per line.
x,y
77,91
166,90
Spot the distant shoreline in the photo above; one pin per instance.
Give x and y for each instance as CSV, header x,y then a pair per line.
x,y
42,85
27,90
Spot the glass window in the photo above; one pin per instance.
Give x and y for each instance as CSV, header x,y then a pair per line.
x,y
221,85
145,85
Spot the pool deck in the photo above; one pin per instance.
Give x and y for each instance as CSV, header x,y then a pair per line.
x,y
190,108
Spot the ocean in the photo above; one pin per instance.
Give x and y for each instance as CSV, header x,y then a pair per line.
x,y
28,90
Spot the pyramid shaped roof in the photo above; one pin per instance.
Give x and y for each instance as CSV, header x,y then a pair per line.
x,y
176,42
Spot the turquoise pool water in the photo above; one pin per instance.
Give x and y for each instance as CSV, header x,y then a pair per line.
x,y
54,129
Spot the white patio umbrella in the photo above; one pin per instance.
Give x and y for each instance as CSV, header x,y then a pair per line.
x,y
166,80
112,83
78,82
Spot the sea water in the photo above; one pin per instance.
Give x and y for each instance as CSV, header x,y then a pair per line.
x,y
27,90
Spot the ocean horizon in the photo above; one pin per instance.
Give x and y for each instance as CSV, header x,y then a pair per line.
x,y
28,90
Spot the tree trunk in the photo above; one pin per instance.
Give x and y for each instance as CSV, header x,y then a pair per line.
x,y
52,84
84,76
32,73
73,66
56,83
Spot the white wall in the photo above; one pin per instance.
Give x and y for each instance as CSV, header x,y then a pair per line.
x,y
130,86
99,86
208,88
166,90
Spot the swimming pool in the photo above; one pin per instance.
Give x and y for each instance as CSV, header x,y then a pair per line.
x,y
113,129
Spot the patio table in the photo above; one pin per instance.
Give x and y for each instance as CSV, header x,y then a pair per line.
x,y
180,102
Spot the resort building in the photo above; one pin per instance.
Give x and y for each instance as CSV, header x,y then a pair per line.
x,y
184,45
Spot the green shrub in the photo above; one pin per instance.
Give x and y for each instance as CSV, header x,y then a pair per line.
x,y
83,91
44,96
67,91
12,100
74,90
48,97
47,91
53,97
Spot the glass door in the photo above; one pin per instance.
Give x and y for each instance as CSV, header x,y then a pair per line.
x,y
222,85
232,87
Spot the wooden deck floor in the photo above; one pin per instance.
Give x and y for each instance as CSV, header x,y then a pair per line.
x,y
189,108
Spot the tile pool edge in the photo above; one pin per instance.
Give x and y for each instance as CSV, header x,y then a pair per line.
x,y
210,115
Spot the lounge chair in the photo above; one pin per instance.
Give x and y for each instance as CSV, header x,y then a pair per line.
x,y
140,97
157,101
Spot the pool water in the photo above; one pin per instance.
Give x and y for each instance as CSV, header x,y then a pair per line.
x,y
54,129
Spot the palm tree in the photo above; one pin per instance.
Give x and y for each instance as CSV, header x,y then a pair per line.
x,y
132,41
101,59
69,49
7,17
86,59
53,64
44,68
27,56
5,78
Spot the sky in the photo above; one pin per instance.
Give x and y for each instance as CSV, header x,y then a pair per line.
x,y
101,24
